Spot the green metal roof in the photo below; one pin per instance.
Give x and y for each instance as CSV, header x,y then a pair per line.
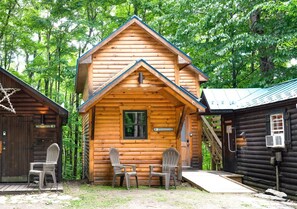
x,y
235,99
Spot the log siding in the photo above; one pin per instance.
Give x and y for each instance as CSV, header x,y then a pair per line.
x,y
30,105
253,159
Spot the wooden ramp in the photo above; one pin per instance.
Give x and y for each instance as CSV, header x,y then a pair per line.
x,y
215,182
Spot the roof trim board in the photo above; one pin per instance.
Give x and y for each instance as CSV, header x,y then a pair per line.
x,y
126,72
38,95
136,19
202,76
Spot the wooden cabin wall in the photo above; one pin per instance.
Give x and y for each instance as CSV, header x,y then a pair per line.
x,y
196,160
26,105
189,81
108,129
85,94
253,160
132,44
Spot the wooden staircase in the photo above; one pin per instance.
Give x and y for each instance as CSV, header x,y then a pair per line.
x,y
211,136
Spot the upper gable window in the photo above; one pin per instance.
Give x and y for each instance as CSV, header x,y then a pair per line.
x,y
135,124
277,123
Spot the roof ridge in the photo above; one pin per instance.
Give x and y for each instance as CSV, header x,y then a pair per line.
x,y
282,83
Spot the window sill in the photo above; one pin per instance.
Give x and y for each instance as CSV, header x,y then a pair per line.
x,y
134,141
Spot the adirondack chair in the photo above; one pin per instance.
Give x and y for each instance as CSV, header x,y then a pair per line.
x,y
121,170
169,164
48,167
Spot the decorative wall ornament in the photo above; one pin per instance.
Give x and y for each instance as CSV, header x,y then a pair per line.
x,y
5,93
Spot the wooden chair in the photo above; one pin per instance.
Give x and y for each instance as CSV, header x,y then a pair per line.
x,y
169,164
121,169
48,167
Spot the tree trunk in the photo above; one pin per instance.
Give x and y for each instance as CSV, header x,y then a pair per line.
x,y
46,86
266,62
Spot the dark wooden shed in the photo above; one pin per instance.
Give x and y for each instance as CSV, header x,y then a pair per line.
x,y
252,116
26,133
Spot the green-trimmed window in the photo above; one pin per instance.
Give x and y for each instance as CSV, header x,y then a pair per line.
x,y
135,124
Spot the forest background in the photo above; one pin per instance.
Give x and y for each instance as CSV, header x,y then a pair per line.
x,y
237,43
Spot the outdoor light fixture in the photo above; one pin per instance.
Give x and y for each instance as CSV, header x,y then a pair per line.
x,y
140,78
42,123
243,134
42,119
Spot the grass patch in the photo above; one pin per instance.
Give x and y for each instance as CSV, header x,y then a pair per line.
x,y
97,196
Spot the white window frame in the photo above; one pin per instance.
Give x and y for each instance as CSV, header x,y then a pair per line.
x,y
275,120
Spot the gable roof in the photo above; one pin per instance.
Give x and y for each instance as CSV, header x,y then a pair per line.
x,y
81,71
37,95
236,99
139,22
126,72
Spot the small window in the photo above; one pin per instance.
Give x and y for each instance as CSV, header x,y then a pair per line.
x,y
277,124
135,124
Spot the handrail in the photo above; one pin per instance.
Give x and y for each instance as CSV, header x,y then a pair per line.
x,y
212,131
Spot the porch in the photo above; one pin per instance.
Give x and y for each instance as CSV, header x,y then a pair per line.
x,y
16,188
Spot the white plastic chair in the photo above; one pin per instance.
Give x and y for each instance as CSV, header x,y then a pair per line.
x,y
48,167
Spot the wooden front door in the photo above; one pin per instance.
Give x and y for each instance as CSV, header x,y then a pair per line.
x,y
185,144
15,136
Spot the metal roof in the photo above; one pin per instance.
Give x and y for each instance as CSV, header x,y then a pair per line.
x,y
235,99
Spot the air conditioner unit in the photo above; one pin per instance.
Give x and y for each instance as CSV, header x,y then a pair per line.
x,y
275,141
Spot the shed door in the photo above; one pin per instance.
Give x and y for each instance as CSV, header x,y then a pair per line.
x,y
229,154
185,144
16,136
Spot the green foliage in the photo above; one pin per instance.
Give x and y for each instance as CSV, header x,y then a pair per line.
x,y
206,165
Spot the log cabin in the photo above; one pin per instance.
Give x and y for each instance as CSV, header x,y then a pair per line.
x,y
259,133
141,96
29,123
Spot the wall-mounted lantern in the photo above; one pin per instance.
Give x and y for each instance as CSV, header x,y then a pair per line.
x,y
140,78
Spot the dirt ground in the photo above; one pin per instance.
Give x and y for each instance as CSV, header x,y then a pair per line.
x,y
78,195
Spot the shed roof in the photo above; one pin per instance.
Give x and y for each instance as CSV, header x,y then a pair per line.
x,y
127,71
38,95
235,99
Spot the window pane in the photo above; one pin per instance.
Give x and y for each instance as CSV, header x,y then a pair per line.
x,y
135,124
129,118
277,124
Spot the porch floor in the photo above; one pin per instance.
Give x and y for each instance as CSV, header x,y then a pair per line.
x,y
9,188
215,181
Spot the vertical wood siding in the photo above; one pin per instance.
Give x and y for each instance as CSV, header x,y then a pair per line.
x,y
86,148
